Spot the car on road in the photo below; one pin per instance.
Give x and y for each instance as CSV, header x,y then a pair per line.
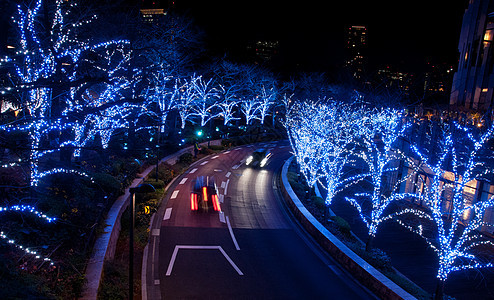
x,y
259,158
204,195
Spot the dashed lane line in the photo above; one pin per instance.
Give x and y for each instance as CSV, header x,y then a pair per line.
x,y
168,214
175,194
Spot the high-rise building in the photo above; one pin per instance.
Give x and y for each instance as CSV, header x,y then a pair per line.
x,y
473,83
264,50
356,39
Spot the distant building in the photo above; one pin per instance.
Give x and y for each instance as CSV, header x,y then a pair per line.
x,y
473,83
356,39
152,15
395,79
265,50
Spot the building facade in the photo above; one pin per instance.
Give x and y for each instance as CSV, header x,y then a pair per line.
x,y
473,83
356,39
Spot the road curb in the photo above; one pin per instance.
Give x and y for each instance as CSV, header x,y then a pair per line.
x,y
379,284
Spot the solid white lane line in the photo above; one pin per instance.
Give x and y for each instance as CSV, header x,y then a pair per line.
x,y
228,174
175,194
168,214
193,171
178,247
204,162
230,229
183,180
226,186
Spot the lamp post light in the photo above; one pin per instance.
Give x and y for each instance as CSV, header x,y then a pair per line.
x,y
142,188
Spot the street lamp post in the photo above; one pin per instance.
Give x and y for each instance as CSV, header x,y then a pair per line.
x,y
142,188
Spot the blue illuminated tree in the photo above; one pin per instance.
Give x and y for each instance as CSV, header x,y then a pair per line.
x,y
451,219
322,136
380,132
206,100
56,70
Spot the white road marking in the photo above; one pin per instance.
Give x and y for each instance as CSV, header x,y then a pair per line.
x,y
222,217
175,194
236,166
155,232
168,214
216,156
228,174
226,186
193,171
227,152
223,184
156,282
222,198
183,180
230,229
178,247
204,162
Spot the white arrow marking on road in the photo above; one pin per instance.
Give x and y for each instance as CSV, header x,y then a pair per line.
x,y
174,195
183,180
168,214
178,247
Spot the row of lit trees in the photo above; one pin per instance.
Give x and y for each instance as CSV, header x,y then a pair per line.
x,y
70,88
339,145
77,90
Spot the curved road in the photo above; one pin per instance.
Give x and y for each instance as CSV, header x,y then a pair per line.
x,y
251,250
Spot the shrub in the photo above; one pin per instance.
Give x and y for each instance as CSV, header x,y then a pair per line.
x,y
166,173
108,183
186,158
342,224
206,151
216,147
318,202
379,258
158,185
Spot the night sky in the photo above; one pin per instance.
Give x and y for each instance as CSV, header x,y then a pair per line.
x,y
401,33
404,34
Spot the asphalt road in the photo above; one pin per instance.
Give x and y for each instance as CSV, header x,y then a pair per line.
x,y
252,249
